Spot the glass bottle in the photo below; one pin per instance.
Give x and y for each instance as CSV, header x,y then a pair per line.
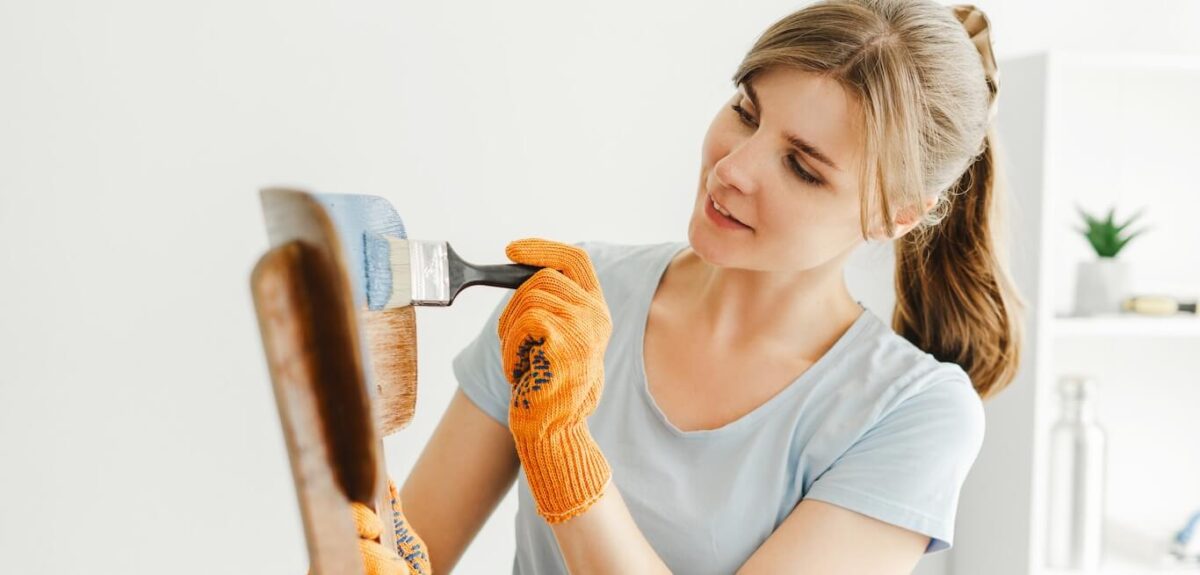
x,y
1077,479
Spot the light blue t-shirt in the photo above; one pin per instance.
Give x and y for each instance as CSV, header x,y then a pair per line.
x,y
876,425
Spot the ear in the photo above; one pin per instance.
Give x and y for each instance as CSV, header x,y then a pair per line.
x,y
906,219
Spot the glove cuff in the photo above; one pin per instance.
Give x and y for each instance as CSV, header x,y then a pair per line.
x,y
566,472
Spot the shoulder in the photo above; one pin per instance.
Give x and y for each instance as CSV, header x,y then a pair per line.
x,y
920,431
619,265
911,384
605,254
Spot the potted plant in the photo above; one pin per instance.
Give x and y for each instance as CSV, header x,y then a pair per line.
x,y
1102,283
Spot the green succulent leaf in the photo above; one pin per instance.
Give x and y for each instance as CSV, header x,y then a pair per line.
x,y
1121,243
1131,219
1086,216
1105,236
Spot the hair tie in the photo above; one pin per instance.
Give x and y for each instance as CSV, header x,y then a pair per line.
x,y
978,28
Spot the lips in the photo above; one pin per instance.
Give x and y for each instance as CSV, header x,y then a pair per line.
x,y
721,216
723,210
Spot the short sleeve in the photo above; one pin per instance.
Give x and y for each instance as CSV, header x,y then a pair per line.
x,y
479,371
908,468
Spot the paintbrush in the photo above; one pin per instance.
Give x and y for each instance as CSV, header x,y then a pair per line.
x,y
381,262
389,270
404,272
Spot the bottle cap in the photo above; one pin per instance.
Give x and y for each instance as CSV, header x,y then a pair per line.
x,y
1076,386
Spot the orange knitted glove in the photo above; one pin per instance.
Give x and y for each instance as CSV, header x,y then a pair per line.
x,y
412,549
379,560
553,334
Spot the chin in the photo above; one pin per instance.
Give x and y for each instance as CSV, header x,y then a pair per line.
x,y
708,246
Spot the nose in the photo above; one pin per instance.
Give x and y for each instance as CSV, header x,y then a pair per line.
x,y
734,171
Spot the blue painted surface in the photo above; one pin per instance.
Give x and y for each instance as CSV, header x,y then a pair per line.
x,y
357,218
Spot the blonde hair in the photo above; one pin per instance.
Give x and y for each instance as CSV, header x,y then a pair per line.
x,y
926,99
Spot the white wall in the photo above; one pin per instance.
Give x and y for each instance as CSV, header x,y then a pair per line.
x,y
137,427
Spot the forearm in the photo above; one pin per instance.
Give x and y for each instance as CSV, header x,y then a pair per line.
x,y
605,539
553,333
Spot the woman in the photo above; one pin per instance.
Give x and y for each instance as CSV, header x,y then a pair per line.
x,y
724,404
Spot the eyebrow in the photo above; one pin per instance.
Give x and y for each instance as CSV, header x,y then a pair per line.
x,y
800,143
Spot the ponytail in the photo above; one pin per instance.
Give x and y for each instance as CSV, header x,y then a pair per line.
x,y
954,298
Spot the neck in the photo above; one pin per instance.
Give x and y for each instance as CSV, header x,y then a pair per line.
x,y
741,307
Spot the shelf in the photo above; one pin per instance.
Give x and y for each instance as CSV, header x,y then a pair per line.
x,y
1136,61
1182,325
1127,567
1133,552
1074,124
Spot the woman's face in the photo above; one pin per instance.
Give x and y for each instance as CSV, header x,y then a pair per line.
x,y
782,156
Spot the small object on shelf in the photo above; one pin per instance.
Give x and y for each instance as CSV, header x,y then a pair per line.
x,y
1150,304
1101,284
1077,479
1186,546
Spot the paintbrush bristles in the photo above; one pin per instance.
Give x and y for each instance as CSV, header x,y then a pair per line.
x,y
400,258
387,269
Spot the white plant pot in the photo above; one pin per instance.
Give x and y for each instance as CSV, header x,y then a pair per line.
x,y
1100,285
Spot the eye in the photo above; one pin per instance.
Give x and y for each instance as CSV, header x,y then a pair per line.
x,y
791,159
745,116
800,171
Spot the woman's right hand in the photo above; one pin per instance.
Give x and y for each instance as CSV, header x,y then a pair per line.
x,y
553,334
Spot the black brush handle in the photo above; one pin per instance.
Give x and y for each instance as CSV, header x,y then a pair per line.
x,y
464,274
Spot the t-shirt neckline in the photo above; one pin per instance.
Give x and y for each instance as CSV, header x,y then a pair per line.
x,y
761,410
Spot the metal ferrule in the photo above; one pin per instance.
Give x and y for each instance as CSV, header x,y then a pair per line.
x,y
430,272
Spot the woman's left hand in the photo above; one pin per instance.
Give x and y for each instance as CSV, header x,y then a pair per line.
x,y
410,556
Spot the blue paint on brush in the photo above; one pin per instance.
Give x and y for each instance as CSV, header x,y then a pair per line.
x,y
379,269
357,219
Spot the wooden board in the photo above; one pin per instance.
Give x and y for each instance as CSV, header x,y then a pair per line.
x,y
317,358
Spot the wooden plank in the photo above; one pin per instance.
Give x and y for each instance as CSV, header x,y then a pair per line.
x,y
323,373
284,313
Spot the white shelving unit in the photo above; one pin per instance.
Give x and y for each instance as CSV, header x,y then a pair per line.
x,y
1117,325
1094,129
